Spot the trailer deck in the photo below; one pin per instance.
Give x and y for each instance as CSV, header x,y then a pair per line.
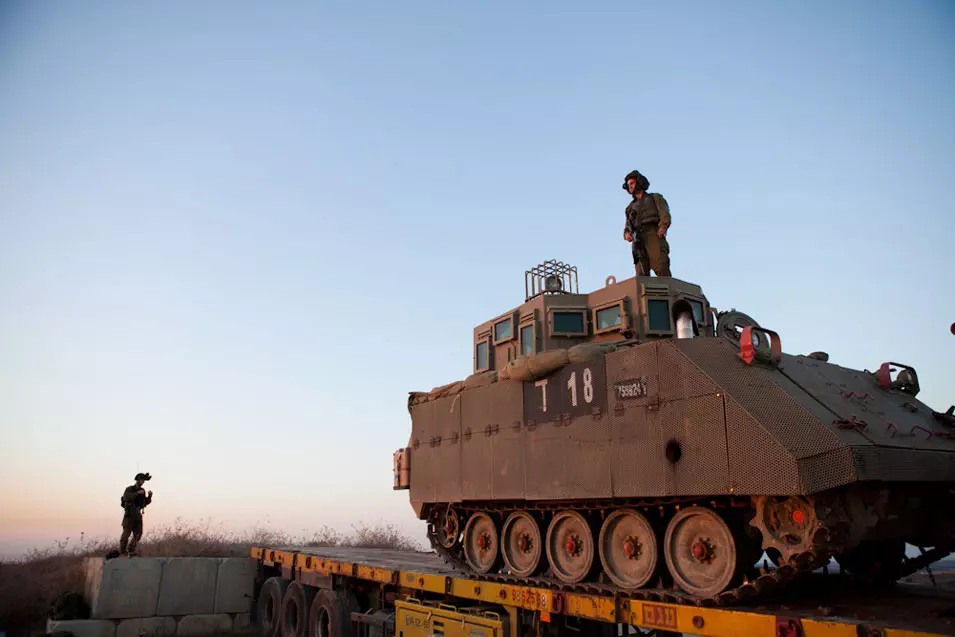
x,y
819,605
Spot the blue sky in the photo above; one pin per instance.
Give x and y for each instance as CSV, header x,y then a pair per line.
x,y
233,236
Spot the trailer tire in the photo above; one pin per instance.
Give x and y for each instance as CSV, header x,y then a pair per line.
x,y
269,606
295,610
330,614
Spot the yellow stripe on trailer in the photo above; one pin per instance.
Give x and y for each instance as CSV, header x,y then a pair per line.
x,y
380,575
528,598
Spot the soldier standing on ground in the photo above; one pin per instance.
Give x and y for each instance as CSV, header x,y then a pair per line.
x,y
133,501
648,217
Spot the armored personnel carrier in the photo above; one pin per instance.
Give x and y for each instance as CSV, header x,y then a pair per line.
x,y
637,438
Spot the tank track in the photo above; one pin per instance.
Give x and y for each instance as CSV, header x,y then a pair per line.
x,y
768,584
760,588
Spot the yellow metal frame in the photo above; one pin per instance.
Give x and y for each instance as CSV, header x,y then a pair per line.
x,y
709,622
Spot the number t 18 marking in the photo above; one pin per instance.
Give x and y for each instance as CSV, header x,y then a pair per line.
x,y
574,390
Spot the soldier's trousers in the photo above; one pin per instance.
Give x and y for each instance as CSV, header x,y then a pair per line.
x,y
656,253
134,526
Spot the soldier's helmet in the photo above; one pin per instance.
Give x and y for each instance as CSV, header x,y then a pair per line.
x,y
143,476
642,182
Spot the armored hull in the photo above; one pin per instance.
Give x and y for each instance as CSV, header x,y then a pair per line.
x,y
678,462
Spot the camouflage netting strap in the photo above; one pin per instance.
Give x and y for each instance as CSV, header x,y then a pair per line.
x,y
447,390
480,380
416,398
586,351
583,352
520,369
517,369
544,363
439,391
535,366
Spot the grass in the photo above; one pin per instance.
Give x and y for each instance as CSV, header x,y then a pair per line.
x,y
30,584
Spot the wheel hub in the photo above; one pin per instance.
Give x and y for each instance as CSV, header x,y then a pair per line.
x,y
484,542
524,543
632,548
703,551
573,545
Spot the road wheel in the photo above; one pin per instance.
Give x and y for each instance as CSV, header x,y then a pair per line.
x,y
570,546
628,548
481,543
700,552
521,544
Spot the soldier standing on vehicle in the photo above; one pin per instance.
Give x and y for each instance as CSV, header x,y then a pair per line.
x,y
647,221
133,501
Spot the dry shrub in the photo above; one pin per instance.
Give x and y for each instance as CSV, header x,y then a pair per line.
x,y
27,590
30,584
381,536
323,537
183,539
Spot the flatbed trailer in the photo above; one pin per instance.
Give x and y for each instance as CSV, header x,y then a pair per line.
x,y
359,592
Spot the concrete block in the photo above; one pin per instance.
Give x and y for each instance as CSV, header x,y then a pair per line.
x,y
122,588
204,625
188,586
235,585
83,627
242,625
148,626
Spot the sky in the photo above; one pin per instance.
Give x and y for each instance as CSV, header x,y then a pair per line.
x,y
233,236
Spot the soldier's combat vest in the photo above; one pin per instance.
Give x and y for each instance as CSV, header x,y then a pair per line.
x,y
130,502
644,210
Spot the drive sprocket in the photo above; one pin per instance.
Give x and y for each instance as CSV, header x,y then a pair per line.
x,y
789,526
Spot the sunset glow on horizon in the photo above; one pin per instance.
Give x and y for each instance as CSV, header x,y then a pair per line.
x,y
232,241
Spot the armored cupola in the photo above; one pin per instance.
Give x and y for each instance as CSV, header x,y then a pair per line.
x,y
555,315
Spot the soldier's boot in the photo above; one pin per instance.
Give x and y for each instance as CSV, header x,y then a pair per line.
x,y
137,534
123,541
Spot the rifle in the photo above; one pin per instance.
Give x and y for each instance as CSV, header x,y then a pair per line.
x,y
636,246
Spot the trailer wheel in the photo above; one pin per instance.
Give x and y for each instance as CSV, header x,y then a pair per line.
x,y
269,606
295,610
330,614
